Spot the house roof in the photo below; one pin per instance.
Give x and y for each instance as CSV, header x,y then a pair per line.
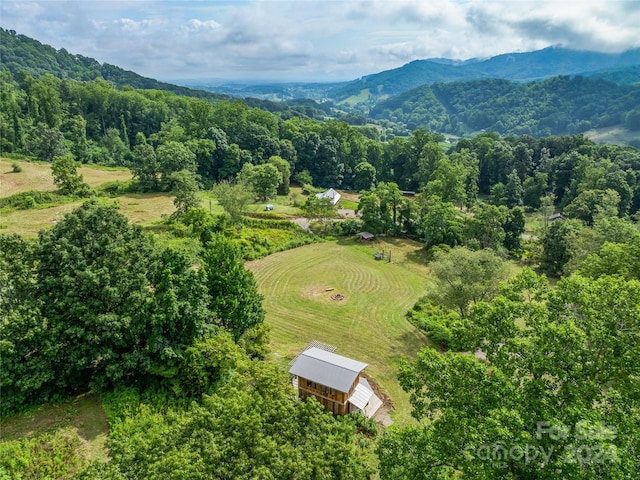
x,y
327,368
366,235
556,216
332,194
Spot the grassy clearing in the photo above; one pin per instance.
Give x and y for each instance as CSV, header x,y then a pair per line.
x,y
143,208
361,97
28,223
368,325
139,208
612,135
37,176
81,417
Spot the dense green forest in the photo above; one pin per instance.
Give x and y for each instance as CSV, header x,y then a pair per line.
x,y
560,105
444,97
171,335
21,53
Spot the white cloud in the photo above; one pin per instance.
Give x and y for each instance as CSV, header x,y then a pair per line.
x,y
314,40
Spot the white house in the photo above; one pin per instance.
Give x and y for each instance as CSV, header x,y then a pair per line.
x,y
332,194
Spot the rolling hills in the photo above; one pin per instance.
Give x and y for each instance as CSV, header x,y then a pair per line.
x,y
553,91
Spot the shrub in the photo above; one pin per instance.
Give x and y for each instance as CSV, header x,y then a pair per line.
x,y
438,323
16,168
31,198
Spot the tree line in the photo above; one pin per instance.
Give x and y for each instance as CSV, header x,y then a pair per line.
x,y
157,133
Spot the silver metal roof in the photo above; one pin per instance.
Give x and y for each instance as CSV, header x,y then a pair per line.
x,y
332,194
327,368
361,395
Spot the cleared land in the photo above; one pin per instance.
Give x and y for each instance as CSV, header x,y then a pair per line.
x,y
37,176
81,416
613,135
368,325
139,208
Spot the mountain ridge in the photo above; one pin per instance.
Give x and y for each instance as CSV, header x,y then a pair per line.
x,y
518,66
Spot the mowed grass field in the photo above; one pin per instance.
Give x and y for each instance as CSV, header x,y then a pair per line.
x,y
368,325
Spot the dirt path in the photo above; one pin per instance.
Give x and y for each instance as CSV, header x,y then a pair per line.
x,y
303,222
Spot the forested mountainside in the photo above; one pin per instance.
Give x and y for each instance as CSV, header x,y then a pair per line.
x,y
625,76
21,53
557,106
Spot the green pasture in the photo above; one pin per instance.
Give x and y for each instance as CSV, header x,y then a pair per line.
x,y
368,325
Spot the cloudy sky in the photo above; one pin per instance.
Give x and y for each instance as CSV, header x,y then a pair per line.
x,y
314,40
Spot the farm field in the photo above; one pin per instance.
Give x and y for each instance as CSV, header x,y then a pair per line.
x,y
368,325
139,208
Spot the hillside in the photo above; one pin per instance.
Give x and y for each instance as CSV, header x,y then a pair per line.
x,y
22,53
557,106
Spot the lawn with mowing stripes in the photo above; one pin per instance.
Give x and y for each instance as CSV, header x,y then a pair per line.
x,y
368,325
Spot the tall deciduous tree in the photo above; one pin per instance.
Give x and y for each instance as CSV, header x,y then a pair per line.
x,y
145,166
466,277
45,142
442,224
185,189
262,179
235,300
285,172
172,157
233,197
557,395
92,282
364,176
513,190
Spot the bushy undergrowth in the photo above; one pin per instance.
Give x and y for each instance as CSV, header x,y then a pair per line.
x,y
50,455
33,199
439,323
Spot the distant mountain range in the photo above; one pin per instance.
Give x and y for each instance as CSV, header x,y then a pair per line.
x,y
520,67
622,68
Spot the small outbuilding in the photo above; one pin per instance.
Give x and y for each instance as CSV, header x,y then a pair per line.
x,y
366,236
331,194
556,216
268,207
335,381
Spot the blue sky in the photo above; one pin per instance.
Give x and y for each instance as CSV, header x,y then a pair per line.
x,y
314,40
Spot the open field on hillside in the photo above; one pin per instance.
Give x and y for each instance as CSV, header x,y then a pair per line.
x,y
613,135
368,325
139,208
37,176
